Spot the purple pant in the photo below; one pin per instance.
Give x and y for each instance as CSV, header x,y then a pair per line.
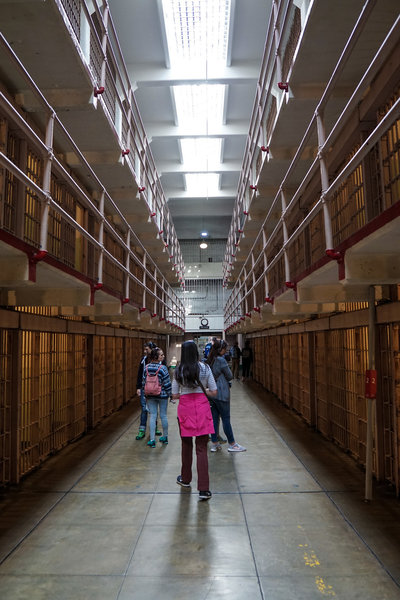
x,y
203,483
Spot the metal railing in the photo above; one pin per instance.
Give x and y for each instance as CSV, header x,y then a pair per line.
x,y
277,257
156,293
114,91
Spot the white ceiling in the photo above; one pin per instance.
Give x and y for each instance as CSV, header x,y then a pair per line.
x,y
139,27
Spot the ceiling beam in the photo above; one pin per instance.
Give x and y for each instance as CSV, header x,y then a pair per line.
x,y
184,195
145,75
161,130
165,167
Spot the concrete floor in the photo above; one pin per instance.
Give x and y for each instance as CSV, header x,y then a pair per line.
x,y
105,520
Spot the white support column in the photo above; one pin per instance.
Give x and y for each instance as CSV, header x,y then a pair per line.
x,y
84,35
44,222
324,181
278,69
155,291
285,237
101,239
254,281
127,264
266,284
144,282
104,46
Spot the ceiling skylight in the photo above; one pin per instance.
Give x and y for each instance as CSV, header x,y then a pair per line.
x,y
202,184
197,31
202,105
204,154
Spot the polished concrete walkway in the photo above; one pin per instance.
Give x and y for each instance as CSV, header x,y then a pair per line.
x,y
105,519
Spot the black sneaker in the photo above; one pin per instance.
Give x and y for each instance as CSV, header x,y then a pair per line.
x,y
205,495
180,482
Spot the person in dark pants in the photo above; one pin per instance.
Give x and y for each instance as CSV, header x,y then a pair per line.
x,y
194,415
221,406
235,354
247,360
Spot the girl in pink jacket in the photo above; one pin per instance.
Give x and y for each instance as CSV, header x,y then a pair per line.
x,y
194,415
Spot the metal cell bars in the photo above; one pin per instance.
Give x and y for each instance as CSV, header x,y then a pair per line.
x,y
78,388
347,206
108,376
389,401
258,353
390,157
317,214
29,424
203,297
10,183
302,385
111,74
35,191
5,405
321,368
64,242
274,356
283,25
53,398
56,399
286,370
132,356
348,359
193,254
32,209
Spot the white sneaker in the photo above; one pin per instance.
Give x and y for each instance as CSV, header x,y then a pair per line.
x,y
236,448
215,447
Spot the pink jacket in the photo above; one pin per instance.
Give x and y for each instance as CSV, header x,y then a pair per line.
x,y
194,415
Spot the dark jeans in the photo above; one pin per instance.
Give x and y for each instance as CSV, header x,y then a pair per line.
x,y
223,410
203,483
246,364
235,367
143,414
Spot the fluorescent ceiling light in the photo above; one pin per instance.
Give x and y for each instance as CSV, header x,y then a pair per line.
x,y
204,234
202,153
202,184
200,105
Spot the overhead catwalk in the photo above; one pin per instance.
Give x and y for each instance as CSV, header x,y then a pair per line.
x,y
105,518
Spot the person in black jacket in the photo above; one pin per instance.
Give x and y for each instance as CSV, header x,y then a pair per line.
x,y
247,360
236,353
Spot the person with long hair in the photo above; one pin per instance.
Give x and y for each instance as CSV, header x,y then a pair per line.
x,y
148,347
159,402
221,406
194,415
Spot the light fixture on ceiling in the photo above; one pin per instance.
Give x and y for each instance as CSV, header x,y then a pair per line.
x,y
204,234
203,245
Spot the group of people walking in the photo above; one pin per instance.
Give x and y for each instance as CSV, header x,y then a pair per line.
x,y
203,391
247,359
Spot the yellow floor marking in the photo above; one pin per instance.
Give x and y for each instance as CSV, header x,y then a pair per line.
x,y
311,560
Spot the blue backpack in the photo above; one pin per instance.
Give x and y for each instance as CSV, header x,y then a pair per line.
x,y
207,349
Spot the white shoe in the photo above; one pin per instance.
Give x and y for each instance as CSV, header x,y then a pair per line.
x,y
215,447
236,448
